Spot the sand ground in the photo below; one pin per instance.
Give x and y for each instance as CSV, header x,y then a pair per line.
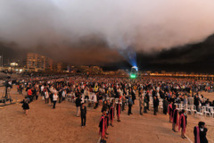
x,y
60,125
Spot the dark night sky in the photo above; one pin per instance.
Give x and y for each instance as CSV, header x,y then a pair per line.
x,y
198,58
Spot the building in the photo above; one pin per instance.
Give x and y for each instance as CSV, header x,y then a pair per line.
x,y
96,70
59,67
36,62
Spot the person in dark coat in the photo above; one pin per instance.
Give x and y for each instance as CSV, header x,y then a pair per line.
x,y
133,95
156,104
145,104
25,106
200,133
130,103
148,99
83,114
196,102
165,105
105,106
78,104
118,108
111,113
60,96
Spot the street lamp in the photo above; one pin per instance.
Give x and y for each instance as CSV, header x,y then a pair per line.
x,y
1,59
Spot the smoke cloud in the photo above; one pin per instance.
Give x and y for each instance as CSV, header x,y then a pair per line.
x,y
147,26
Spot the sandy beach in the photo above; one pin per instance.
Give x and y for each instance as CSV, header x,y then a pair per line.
x,y
60,125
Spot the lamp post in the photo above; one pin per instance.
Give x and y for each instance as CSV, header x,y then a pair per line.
x,y
2,60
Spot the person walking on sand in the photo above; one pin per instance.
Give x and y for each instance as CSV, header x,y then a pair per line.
x,y
83,115
46,94
130,103
156,104
55,97
25,106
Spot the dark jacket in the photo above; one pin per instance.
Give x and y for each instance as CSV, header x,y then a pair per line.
x,y
156,102
78,102
202,134
83,111
165,104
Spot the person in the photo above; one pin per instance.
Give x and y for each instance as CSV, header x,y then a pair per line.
x,y
118,110
111,113
182,123
174,117
37,94
156,104
123,103
25,106
97,100
107,120
30,94
165,105
133,95
141,104
130,103
190,100
148,99
55,97
200,132
46,96
83,115
170,111
196,102
102,126
60,95
51,97
20,88
145,104
105,106
78,103
33,92
63,95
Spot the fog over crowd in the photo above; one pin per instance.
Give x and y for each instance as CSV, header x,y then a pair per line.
x,y
147,26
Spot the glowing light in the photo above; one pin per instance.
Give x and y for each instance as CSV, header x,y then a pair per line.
x,y
13,64
135,67
129,54
133,76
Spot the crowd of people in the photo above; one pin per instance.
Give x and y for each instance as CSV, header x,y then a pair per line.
x,y
115,94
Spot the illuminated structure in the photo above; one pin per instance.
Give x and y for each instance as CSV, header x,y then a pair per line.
x,y
36,62
134,72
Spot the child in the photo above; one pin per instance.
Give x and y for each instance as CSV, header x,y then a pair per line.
x,y
25,106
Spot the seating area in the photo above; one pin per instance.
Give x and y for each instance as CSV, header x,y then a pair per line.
x,y
207,111
202,111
